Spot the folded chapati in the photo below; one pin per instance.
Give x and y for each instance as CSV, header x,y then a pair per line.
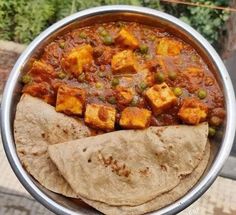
x,y
37,125
130,167
161,201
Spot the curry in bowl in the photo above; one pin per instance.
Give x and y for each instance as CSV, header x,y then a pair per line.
x,y
126,75
117,114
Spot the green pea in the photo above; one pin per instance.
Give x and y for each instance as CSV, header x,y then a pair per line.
x,y
61,75
120,24
134,101
81,77
26,79
99,85
148,56
143,85
108,40
104,33
83,35
152,37
172,75
202,94
211,131
100,29
143,49
112,100
194,58
159,77
102,98
178,91
62,45
115,82
101,74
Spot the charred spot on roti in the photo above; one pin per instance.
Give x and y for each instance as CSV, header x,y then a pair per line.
x,y
107,161
164,167
144,172
22,152
65,131
120,168
176,166
116,166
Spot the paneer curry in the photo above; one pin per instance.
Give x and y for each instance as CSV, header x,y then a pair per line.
x,y
125,75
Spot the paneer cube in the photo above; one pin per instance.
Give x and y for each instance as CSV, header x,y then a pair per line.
x,y
124,62
70,100
134,118
41,90
194,74
126,39
41,71
193,111
161,97
124,95
100,116
77,59
193,77
169,47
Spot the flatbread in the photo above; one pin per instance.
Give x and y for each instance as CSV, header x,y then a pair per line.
x,y
161,201
130,167
37,125
167,198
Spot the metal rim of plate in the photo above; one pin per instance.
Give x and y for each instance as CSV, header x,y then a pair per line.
x,y
7,100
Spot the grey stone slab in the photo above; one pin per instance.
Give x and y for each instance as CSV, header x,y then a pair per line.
x,y
16,203
229,169
12,46
230,64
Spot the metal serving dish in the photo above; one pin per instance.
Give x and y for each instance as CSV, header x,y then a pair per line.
x,y
61,205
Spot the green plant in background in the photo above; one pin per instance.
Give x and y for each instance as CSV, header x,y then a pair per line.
x,y
66,7
152,4
6,22
31,18
23,20
208,22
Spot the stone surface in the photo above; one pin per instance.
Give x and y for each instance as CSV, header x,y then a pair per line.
x,y
13,202
7,61
12,47
220,199
230,64
229,170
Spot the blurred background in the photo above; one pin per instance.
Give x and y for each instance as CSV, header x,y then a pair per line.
x,y
22,20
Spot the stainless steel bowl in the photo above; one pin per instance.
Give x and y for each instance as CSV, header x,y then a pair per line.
x,y
61,205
